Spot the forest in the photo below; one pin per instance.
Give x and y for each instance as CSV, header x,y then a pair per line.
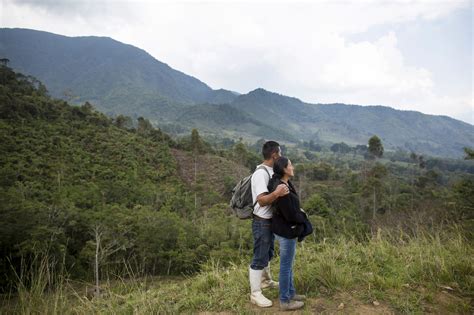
x,y
111,214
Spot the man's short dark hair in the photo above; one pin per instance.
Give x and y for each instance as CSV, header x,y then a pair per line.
x,y
269,148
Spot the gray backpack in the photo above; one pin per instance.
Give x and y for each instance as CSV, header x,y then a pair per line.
x,y
241,202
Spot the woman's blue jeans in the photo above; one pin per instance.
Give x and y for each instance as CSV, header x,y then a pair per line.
x,y
287,258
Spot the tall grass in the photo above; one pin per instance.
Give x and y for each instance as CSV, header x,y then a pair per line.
x,y
39,284
390,266
406,272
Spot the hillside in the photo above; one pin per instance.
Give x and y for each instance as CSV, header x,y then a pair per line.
x,y
69,172
216,172
122,79
228,121
81,192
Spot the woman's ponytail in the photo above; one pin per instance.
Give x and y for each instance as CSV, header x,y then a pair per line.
x,y
277,176
278,171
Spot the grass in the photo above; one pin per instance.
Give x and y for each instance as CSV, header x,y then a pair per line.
x,y
400,270
407,274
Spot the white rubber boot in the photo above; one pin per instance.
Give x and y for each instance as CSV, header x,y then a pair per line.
x,y
256,296
267,281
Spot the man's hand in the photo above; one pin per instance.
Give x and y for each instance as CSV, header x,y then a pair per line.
x,y
282,190
267,199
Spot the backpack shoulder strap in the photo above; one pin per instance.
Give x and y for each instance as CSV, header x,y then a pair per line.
x,y
263,167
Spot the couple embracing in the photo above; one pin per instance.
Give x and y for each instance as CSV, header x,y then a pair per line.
x,y
277,214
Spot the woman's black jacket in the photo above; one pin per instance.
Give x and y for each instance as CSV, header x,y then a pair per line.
x,y
287,219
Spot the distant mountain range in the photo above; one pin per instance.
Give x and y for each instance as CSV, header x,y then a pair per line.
x,y
122,79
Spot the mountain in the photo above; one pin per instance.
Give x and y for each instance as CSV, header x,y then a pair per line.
x,y
354,124
101,70
120,78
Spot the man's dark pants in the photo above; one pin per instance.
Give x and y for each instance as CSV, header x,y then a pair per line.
x,y
263,243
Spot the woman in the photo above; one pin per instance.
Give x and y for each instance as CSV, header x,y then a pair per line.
x,y
287,225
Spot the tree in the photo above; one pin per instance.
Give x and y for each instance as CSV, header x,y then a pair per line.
x,y
197,145
316,204
320,171
375,183
258,145
469,153
4,61
144,126
375,147
42,90
198,148
125,122
361,149
373,180
418,162
301,169
105,246
242,155
340,148
464,198
87,107
309,155
240,152
316,147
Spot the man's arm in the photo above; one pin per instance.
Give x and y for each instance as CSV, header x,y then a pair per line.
x,y
266,199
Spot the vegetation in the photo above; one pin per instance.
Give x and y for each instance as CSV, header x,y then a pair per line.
x,y
370,275
70,174
103,214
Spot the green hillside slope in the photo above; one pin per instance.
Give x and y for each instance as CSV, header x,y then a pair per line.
x,y
68,174
80,191
225,120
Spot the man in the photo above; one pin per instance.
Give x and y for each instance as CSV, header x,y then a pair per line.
x,y
261,225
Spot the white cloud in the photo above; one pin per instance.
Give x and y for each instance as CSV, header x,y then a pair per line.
x,y
298,49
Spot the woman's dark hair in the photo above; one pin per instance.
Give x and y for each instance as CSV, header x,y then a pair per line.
x,y
278,171
269,148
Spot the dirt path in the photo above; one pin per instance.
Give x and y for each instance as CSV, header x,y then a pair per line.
x,y
343,304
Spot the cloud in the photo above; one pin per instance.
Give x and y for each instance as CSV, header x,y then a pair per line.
x,y
67,8
299,49
69,17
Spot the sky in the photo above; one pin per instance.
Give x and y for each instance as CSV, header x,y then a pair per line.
x,y
406,54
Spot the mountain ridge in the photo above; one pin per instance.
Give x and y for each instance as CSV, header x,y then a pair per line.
x,y
91,58
128,80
